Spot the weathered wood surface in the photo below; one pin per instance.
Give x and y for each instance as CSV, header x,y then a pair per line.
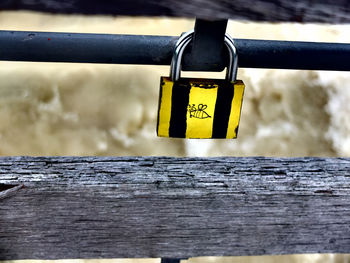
x,y
325,11
115,207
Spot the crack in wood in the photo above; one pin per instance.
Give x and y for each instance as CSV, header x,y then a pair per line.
x,y
7,190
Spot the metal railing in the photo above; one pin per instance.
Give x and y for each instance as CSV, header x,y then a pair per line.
x,y
158,50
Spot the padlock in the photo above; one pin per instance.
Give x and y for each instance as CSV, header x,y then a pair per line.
x,y
200,108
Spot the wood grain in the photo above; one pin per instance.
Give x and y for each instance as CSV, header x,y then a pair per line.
x,y
125,207
324,11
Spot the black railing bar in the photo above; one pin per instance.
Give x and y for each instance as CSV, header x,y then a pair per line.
x,y
157,50
171,260
207,45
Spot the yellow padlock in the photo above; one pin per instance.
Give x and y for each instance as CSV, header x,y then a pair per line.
x,y
200,108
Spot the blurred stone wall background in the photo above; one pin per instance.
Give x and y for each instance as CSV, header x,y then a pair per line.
x,y
86,109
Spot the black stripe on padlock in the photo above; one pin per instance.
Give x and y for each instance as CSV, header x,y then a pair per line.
x,y
200,108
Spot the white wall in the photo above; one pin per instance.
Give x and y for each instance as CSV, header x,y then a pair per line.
x,y
84,109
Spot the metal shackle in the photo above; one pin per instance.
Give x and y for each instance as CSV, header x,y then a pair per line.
x,y
185,39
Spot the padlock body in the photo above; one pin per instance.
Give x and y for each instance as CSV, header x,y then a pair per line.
x,y
199,108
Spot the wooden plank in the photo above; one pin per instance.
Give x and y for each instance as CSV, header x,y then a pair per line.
x,y
324,11
118,207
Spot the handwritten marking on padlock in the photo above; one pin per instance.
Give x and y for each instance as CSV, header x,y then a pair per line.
x,y
198,111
